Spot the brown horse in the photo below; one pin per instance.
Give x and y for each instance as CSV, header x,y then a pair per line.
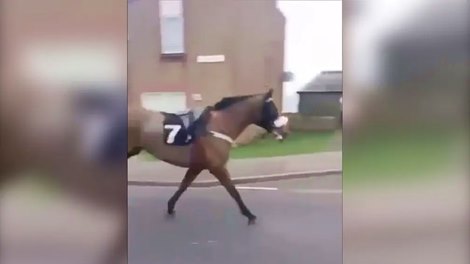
x,y
221,124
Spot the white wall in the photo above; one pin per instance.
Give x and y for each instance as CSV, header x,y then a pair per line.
x,y
171,102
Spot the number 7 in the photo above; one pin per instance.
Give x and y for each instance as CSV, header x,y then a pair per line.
x,y
174,131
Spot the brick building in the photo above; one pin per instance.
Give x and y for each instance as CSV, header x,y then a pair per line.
x,y
187,53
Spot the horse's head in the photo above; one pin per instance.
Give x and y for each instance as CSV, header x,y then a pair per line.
x,y
270,118
256,109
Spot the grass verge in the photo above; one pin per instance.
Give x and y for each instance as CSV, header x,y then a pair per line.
x,y
296,143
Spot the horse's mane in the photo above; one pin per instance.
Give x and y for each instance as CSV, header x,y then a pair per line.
x,y
228,101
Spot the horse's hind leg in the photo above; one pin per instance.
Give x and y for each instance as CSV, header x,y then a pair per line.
x,y
189,177
224,178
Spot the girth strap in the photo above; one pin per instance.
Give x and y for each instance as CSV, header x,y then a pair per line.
x,y
222,136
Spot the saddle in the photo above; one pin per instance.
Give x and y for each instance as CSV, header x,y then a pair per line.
x,y
182,128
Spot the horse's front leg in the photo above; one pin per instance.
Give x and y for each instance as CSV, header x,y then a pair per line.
x,y
224,178
191,174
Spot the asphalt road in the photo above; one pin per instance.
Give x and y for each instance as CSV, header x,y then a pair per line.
x,y
299,221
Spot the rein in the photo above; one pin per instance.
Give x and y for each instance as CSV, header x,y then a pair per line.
x,y
280,121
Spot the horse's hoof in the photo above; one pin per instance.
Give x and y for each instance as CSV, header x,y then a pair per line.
x,y
169,216
252,220
170,212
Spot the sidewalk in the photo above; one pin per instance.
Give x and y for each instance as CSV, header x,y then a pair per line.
x,y
151,173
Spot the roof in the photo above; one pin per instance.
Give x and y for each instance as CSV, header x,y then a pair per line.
x,y
326,81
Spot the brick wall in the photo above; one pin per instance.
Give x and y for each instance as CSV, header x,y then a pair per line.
x,y
249,33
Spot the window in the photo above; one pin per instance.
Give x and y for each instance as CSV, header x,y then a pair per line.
x,y
171,102
171,27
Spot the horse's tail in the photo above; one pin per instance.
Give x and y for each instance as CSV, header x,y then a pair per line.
x,y
134,151
134,144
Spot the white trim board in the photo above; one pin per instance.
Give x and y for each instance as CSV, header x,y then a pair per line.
x,y
210,58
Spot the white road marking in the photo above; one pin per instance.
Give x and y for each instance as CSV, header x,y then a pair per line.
x,y
308,191
319,191
257,188
289,190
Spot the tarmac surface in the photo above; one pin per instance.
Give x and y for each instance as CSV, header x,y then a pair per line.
x,y
299,221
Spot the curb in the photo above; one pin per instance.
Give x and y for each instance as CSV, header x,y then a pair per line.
x,y
242,180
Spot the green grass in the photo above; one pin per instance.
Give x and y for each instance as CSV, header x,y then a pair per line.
x,y
145,156
296,143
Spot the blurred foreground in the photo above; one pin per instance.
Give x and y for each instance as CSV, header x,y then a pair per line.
x,y
62,109
41,224
406,132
